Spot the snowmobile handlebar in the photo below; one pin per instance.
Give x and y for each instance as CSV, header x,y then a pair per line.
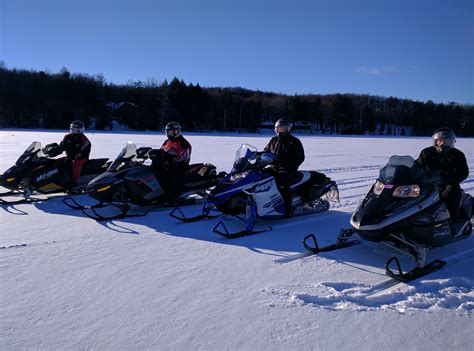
x,y
52,150
159,155
142,152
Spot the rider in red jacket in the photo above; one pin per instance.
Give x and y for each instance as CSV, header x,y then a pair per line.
x,y
173,163
177,147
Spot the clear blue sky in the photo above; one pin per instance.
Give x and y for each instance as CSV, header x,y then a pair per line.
x,y
409,49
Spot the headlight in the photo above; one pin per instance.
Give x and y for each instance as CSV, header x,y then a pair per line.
x,y
378,187
237,176
107,187
407,191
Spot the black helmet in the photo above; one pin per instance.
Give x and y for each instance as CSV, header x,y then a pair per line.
x,y
76,127
282,127
173,130
443,139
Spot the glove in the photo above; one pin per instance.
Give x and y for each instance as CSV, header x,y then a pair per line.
x,y
52,150
207,169
142,152
155,154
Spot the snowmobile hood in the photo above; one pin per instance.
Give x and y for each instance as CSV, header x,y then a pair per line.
x,y
106,177
357,218
229,187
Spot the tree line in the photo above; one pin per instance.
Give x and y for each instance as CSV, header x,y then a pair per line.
x,y
38,99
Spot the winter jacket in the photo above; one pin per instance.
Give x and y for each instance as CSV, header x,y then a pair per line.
x,y
76,146
289,152
179,150
451,165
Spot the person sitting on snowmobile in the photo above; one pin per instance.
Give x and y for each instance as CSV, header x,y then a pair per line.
x,y
173,162
77,147
290,155
451,165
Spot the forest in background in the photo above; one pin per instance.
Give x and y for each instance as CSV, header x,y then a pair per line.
x,y
38,99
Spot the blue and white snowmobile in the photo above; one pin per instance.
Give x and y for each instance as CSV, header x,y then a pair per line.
x,y
250,192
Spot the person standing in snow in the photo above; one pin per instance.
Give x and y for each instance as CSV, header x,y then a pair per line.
x,y
290,155
450,163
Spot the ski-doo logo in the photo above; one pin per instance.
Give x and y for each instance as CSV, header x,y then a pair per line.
x,y
263,187
47,175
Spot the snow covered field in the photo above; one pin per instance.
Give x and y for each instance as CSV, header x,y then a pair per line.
x,y
68,282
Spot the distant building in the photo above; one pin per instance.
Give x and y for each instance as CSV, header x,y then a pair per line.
x,y
299,127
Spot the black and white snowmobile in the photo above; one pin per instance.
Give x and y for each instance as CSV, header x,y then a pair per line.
x,y
250,190
37,172
403,210
129,182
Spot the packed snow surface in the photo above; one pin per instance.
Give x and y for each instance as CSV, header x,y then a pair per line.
x,y
69,282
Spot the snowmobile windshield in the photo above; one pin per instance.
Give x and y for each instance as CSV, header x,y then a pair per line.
x,y
400,170
124,158
32,152
245,157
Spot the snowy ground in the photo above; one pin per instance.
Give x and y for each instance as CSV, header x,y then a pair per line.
x,y
68,282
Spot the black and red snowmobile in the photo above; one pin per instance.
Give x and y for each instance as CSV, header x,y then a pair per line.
x,y
128,183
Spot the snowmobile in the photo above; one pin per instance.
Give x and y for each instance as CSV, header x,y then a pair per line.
x,y
403,210
130,182
36,171
250,190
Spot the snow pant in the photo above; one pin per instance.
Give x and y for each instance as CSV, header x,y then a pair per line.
x,y
451,195
76,167
171,180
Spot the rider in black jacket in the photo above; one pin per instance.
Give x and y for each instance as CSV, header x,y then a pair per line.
x,y
450,163
290,155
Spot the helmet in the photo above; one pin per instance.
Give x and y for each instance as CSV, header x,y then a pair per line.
x,y
173,130
282,127
76,127
443,139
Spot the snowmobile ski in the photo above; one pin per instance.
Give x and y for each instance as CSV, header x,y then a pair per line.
x,y
415,273
247,232
342,242
72,203
100,218
178,214
10,193
21,201
392,283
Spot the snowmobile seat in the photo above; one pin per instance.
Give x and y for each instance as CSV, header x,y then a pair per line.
x,y
94,166
431,178
295,178
203,169
195,167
